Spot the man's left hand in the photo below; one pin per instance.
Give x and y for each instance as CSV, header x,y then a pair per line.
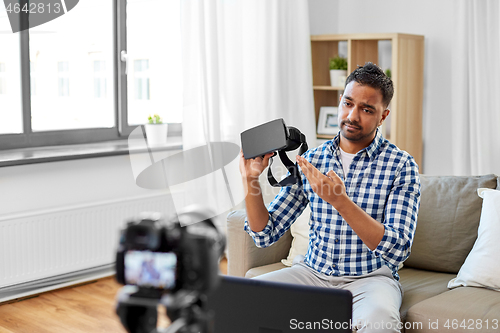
x,y
328,187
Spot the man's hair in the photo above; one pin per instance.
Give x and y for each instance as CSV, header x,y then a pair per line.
x,y
371,75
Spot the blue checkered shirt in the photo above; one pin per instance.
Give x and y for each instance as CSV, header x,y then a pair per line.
x,y
382,179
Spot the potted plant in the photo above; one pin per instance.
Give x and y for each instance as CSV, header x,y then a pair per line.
x,y
338,71
156,131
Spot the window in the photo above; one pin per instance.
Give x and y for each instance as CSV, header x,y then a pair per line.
x,y
64,50
67,81
32,78
11,115
141,80
63,78
3,80
100,80
153,47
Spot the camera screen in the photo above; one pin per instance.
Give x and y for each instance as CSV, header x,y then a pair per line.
x,y
150,269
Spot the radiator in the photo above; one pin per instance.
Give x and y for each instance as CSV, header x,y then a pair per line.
x,y
51,243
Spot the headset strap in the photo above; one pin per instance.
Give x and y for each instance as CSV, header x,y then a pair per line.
x,y
294,177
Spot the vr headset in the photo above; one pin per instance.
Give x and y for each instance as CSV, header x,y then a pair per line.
x,y
275,136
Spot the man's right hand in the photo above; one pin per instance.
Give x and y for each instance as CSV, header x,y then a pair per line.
x,y
252,168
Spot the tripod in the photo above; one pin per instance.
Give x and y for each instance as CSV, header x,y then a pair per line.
x,y
137,309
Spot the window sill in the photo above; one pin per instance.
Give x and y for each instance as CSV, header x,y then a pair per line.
x,y
25,156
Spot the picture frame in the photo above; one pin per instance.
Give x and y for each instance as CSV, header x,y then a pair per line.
x,y
328,120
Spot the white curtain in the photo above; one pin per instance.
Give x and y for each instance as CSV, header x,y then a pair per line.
x,y
476,88
246,62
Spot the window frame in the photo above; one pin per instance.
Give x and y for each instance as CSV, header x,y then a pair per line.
x,y
121,129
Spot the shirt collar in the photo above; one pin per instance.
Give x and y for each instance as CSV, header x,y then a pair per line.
x,y
371,150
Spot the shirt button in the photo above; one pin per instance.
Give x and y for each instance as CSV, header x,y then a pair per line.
x,y
333,266
336,240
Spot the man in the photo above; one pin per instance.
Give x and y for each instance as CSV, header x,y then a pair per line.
x,y
364,196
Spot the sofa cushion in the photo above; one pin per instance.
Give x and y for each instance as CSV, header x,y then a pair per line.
x,y
264,269
419,285
447,221
476,309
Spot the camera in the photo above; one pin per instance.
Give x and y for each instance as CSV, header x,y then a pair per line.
x,y
169,261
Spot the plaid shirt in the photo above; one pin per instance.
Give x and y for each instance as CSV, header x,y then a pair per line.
x,y
382,179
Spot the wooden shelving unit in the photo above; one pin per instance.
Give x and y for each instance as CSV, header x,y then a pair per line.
x,y
404,124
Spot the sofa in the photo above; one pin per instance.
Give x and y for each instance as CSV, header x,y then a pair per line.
x,y
450,279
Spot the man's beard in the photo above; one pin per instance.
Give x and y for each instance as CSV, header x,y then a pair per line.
x,y
358,136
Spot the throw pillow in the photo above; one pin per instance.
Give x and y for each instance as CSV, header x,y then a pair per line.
x,y
300,234
481,267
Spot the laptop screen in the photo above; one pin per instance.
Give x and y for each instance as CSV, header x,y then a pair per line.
x,y
243,305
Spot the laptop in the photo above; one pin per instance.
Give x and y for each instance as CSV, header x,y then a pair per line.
x,y
242,305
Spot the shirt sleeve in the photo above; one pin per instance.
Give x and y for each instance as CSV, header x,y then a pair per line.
x,y
401,215
283,211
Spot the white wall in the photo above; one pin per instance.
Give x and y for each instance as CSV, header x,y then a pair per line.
x,y
430,18
323,16
54,185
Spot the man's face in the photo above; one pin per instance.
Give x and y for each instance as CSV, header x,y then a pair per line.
x,y
361,111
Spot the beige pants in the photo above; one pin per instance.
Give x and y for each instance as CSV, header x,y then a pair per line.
x,y
376,296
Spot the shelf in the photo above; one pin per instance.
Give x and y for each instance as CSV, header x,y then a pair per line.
x,y
327,88
325,136
363,36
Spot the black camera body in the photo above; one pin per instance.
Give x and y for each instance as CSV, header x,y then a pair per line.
x,y
162,255
170,262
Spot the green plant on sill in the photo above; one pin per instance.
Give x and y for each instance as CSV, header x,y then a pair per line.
x,y
388,73
155,119
338,62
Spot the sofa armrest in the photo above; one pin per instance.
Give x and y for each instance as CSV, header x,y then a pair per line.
x,y
243,254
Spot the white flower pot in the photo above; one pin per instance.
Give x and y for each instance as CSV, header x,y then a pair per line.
x,y
156,134
337,77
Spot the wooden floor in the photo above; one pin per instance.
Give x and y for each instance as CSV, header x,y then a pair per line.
x,y
81,309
